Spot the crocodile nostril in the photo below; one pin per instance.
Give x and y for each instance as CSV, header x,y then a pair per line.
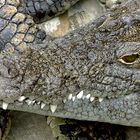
x,y
129,59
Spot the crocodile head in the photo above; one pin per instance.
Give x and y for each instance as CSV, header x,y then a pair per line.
x,y
92,73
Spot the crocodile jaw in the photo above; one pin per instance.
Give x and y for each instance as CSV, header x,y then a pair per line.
x,y
123,110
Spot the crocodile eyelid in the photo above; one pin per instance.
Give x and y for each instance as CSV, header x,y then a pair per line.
x,y
129,59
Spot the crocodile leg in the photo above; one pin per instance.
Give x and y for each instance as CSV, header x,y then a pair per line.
x,y
42,10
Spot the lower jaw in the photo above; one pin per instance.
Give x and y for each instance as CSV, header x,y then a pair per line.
x,y
123,110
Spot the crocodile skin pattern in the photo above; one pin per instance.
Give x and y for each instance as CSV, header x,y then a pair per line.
x,y
17,30
42,10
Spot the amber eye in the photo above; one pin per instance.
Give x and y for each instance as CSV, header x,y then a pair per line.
x,y
129,59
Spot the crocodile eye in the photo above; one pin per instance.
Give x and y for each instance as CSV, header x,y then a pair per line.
x,y
129,59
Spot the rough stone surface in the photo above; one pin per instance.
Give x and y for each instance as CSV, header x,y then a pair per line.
x,y
27,126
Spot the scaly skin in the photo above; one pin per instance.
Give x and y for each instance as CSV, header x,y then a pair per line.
x,y
17,30
42,10
98,65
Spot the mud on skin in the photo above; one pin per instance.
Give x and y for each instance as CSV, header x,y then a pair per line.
x,y
90,74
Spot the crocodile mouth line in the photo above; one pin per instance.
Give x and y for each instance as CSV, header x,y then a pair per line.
x,y
81,107
70,98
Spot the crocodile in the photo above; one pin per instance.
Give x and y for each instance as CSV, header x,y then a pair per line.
x,y
42,10
91,73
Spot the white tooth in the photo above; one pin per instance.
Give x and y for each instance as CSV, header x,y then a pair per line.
x,y
88,96
80,94
64,100
42,105
21,98
38,102
4,105
73,98
100,99
53,108
92,99
28,101
70,97
33,101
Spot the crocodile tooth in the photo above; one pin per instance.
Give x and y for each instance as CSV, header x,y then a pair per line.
x,y
33,101
64,100
42,105
70,97
88,96
92,99
4,105
80,94
53,108
21,98
73,98
28,101
100,99
38,102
